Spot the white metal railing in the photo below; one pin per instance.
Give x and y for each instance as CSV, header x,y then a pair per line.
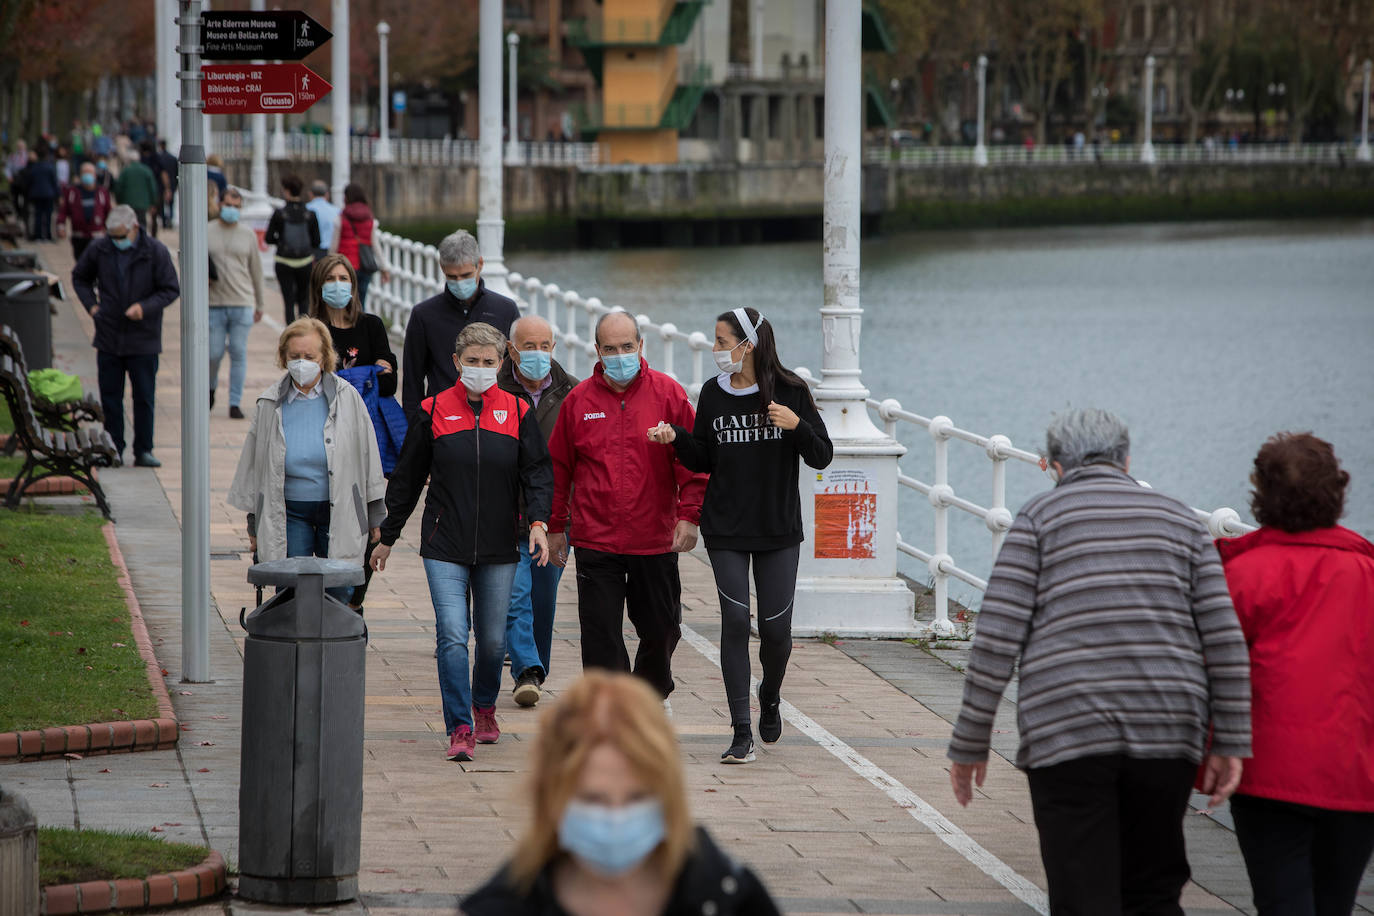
x,y
1117,154
238,144
415,276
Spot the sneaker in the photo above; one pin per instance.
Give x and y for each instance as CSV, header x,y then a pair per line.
x,y
770,720
460,744
527,690
235,413
484,725
741,750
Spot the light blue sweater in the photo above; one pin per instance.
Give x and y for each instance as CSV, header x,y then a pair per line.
x,y
307,466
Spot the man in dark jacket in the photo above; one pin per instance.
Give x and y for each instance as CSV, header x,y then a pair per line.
x,y
42,193
125,280
532,373
434,324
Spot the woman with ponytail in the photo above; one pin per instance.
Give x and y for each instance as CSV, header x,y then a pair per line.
x,y
755,422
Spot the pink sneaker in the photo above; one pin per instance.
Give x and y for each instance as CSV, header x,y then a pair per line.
x,y
484,725
460,744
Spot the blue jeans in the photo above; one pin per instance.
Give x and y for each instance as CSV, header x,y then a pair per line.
x,y
233,322
448,590
307,535
529,623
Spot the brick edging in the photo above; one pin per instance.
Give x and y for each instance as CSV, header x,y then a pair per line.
x,y
48,486
200,882
106,737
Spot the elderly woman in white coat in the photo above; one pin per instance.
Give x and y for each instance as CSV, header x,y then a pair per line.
x,y
310,475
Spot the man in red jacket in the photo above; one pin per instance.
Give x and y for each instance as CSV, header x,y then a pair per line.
x,y
635,508
85,205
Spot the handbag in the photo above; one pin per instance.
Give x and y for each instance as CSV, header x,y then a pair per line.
x,y
367,258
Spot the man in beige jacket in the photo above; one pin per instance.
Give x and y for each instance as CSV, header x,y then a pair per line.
x,y
235,295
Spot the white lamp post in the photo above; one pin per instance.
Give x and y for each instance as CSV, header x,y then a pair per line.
x,y
257,174
513,150
1147,149
383,151
1362,154
847,581
980,150
277,146
338,101
491,227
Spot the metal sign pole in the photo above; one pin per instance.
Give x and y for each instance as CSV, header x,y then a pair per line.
x,y
195,361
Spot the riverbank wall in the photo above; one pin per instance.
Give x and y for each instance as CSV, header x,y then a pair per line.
x,y
681,205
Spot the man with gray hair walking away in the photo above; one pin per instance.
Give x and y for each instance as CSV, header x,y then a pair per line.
x,y
427,360
1113,598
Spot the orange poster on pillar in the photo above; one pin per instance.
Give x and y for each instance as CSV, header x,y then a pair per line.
x,y
846,515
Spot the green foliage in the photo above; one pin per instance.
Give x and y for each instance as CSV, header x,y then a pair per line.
x,y
71,856
69,655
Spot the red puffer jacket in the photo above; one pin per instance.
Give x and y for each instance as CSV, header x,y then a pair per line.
x,y
628,493
1306,604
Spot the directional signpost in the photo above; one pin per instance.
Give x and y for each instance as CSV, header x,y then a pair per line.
x,y
260,88
279,35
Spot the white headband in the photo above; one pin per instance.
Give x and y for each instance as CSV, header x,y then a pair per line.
x,y
751,333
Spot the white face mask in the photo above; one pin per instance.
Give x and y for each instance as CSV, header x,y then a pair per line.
x,y
477,379
303,371
724,363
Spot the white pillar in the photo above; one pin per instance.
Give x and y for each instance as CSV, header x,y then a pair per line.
x,y
1147,148
195,363
1362,154
338,100
513,146
756,33
383,151
277,149
847,582
491,227
980,150
258,172
168,122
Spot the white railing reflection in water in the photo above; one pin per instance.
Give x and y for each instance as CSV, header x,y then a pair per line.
x,y
1116,154
574,318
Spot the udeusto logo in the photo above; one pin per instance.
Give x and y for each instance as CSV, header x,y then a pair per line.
x,y
277,100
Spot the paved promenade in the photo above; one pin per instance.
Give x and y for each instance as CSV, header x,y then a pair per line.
x,y
850,812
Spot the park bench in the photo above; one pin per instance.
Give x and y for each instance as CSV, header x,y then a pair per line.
x,y
73,453
65,415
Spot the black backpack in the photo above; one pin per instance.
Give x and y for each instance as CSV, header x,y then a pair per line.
x,y
295,233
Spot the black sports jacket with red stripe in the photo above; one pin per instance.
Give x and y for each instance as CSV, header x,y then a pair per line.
x,y
478,463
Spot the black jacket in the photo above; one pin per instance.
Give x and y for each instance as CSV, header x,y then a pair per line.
x,y
427,359
709,877
479,467
105,278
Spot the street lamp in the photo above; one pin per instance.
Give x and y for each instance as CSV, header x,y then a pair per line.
x,y
980,149
1362,154
1147,149
513,149
383,151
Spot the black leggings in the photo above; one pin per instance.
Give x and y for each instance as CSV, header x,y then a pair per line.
x,y
775,580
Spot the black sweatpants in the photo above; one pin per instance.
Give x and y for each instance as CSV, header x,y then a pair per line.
x,y
775,580
295,289
1111,834
1303,861
648,586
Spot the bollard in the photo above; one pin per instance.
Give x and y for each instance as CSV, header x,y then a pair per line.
x,y
301,763
18,857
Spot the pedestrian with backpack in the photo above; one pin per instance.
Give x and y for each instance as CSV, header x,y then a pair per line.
x,y
296,233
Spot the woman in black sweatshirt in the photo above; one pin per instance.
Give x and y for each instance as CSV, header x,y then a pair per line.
x,y
754,422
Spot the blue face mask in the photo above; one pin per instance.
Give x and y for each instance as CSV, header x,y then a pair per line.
x,y
229,214
612,840
123,244
337,294
463,289
87,180
622,367
535,365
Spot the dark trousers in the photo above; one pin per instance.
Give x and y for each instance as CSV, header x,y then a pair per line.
x,y
142,217
142,372
1111,834
1303,861
42,218
295,290
649,587
775,580
79,246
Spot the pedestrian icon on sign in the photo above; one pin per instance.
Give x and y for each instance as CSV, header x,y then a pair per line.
x,y
305,30
305,82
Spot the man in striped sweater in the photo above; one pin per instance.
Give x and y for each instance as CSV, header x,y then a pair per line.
x,y
1112,596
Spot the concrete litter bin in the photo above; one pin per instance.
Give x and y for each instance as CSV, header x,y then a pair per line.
x,y
301,764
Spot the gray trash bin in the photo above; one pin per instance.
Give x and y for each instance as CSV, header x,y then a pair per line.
x,y
18,259
301,764
24,307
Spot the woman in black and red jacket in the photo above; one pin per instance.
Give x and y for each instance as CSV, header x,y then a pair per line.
x,y
480,448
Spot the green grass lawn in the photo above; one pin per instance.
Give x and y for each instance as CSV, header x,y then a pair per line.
x,y
70,856
68,655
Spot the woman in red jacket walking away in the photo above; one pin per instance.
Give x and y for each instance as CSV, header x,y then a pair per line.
x,y
353,238
1303,588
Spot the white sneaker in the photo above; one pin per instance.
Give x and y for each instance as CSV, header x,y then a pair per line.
x,y
668,707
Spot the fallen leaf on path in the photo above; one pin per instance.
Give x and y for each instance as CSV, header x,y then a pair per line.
x,y
219,717
205,744
155,830
164,672
106,770
72,756
157,785
202,770
407,740
384,871
186,693
171,824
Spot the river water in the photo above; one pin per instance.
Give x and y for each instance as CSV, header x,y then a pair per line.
x,y
1205,338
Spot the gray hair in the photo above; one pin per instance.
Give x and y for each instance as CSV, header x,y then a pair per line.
x,y
596,336
479,334
459,249
1086,435
319,189
121,217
